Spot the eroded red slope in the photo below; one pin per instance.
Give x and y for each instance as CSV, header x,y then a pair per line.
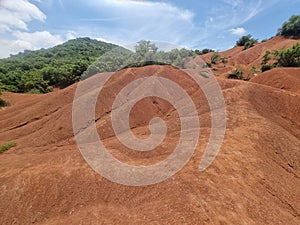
x,y
248,60
253,180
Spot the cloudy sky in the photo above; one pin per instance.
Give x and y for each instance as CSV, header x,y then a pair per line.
x,y
217,24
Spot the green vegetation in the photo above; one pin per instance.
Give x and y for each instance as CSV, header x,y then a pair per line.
x,y
60,66
203,51
246,41
254,71
144,63
146,53
215,58
3,103
4,147
224,60
237,74
282,58
288,57
40,71
265,65
291,27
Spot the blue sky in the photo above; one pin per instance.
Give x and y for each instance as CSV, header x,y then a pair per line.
x,y
217,24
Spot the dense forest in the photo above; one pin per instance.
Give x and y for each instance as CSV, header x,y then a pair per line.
x,y
146,53
60,66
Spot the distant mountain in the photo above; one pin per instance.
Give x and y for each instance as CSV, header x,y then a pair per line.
x,y
62,65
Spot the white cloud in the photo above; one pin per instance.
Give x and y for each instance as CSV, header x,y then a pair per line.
x,y
71,35
238,31
151,8
234,13
29,41
226,15
103,40
137,20
16,14
233,3
14,18
39,39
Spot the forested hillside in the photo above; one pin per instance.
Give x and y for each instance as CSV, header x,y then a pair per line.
x,y
60,66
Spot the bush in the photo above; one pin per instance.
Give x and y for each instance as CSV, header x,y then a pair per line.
x,y
3,103
246,41
283,58
215,58
237,74
288,57
4,147
291,27
224,60
250,43
266,67
265,62
203,51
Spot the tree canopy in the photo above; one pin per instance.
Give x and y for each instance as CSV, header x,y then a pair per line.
x,y
247,41
63,65
146,53
289,57
60,66
291,27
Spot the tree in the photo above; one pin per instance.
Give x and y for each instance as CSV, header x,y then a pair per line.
x,y
203,51
145,49
291,27
59,66
247,41
33,82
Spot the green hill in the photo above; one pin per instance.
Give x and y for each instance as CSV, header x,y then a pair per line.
x,y
39,71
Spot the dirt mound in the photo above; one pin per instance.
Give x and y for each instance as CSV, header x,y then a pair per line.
x,y
249,60
253,180
284,78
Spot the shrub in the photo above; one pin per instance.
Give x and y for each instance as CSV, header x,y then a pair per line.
x,y
237,74
288,57
283,58
291,27
203,51
3,103
266,58
254,71
246,41
224,60
266,67
4,147
250,43
215,58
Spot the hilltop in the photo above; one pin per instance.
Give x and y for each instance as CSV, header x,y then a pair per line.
x,y
247,60
60,66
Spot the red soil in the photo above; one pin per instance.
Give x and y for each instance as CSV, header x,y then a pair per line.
x,y
253,180
249,58
284,78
